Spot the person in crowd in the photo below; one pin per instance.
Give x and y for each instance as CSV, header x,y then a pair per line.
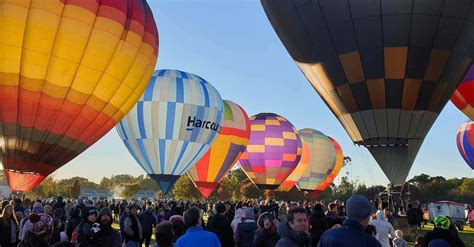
x,y
293,232
87,230
148,222
245,231
73,221
195,235
18,205
385,230
266,234
164,235
415,218
160,216
8,227
38,228
442,232
239,214
22,223
125,214
133,228
399,241
389,216
317,223
179,228
219,225
352,233
107,236
420,241
331,215
282,211
47,209
59,203
58,231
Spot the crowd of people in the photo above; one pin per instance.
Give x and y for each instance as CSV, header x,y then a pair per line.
x,y
87,223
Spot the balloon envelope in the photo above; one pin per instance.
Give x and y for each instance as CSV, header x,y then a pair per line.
x,y
339,162
224,152
385,68
173,125
465,142
463,98
273,151
69,72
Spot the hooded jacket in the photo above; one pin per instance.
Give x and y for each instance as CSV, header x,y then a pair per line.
x,y
108,237
350,234
219,225
384,228
148,221
289,238
239,214
245,232
443,234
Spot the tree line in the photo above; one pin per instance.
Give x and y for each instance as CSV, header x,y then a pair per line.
x,y
237,186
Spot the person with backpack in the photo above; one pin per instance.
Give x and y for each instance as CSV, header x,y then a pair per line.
x,y
244,235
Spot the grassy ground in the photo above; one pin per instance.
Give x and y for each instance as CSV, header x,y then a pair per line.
x,y
467,235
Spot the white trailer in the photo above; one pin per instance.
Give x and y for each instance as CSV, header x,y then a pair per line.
x,y
454,210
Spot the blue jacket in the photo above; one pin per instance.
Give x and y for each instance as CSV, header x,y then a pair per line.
x,y
195,237
350,234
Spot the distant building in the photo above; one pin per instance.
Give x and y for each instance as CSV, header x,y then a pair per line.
x,y
145,195
96,194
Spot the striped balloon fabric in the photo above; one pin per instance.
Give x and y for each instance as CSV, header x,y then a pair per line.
x,y
224,152
321,158
273,151
69,72
339,162
173,125
463,97
465,141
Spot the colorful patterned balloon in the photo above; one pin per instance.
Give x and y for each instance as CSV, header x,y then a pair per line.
x,y
173,125
224,152
465,141
273,151
317,160
69,72
463,97
337,166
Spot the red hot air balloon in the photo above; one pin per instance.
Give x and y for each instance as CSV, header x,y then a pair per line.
x,y
463,97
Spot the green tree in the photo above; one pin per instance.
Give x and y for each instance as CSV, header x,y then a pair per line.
x,y
249,191
75,189
130,190
185,189
345,189
467,187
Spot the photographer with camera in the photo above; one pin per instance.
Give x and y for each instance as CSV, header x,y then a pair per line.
x,y
266,235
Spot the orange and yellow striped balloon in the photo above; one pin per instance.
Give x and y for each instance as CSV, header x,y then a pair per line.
x,y
224,152
69,72
337,167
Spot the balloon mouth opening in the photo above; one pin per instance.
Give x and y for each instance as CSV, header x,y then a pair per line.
x,y
267,186
22,181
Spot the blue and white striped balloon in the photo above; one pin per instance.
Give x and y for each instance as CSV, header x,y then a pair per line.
x,y
173,125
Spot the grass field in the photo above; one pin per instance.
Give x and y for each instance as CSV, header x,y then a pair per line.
x,y
467,235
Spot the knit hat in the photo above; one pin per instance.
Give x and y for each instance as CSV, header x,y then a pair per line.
x,y
220,208
40,224
104,211
442,222
37,207
358,208
248,213
88,211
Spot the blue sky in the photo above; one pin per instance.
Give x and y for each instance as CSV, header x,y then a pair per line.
x,y
231,44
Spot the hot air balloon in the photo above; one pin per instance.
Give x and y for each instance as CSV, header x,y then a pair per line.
x,y
463,97
273,151
465,141
69,72
385,68
224,152
173,125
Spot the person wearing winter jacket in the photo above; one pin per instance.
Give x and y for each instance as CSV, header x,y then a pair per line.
x,y
148,222
317,223
352,233
266,235
244,235
239,214
399,241
108,237
87,230
442,232
384,229
219,225
125,214
293,233
133,228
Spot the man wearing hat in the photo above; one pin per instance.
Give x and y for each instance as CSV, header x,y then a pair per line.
x,y
442,232
108,237
352,232
219,225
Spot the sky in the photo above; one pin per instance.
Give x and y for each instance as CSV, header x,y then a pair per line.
x,y
231,44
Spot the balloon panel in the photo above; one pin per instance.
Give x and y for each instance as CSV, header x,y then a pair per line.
x,y
386,68
225,151
321,162
465,142
273,151
339,162
173,124
463,98
70,71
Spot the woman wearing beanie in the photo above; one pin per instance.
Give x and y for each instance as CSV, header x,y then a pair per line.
x,y
266,235
8,227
